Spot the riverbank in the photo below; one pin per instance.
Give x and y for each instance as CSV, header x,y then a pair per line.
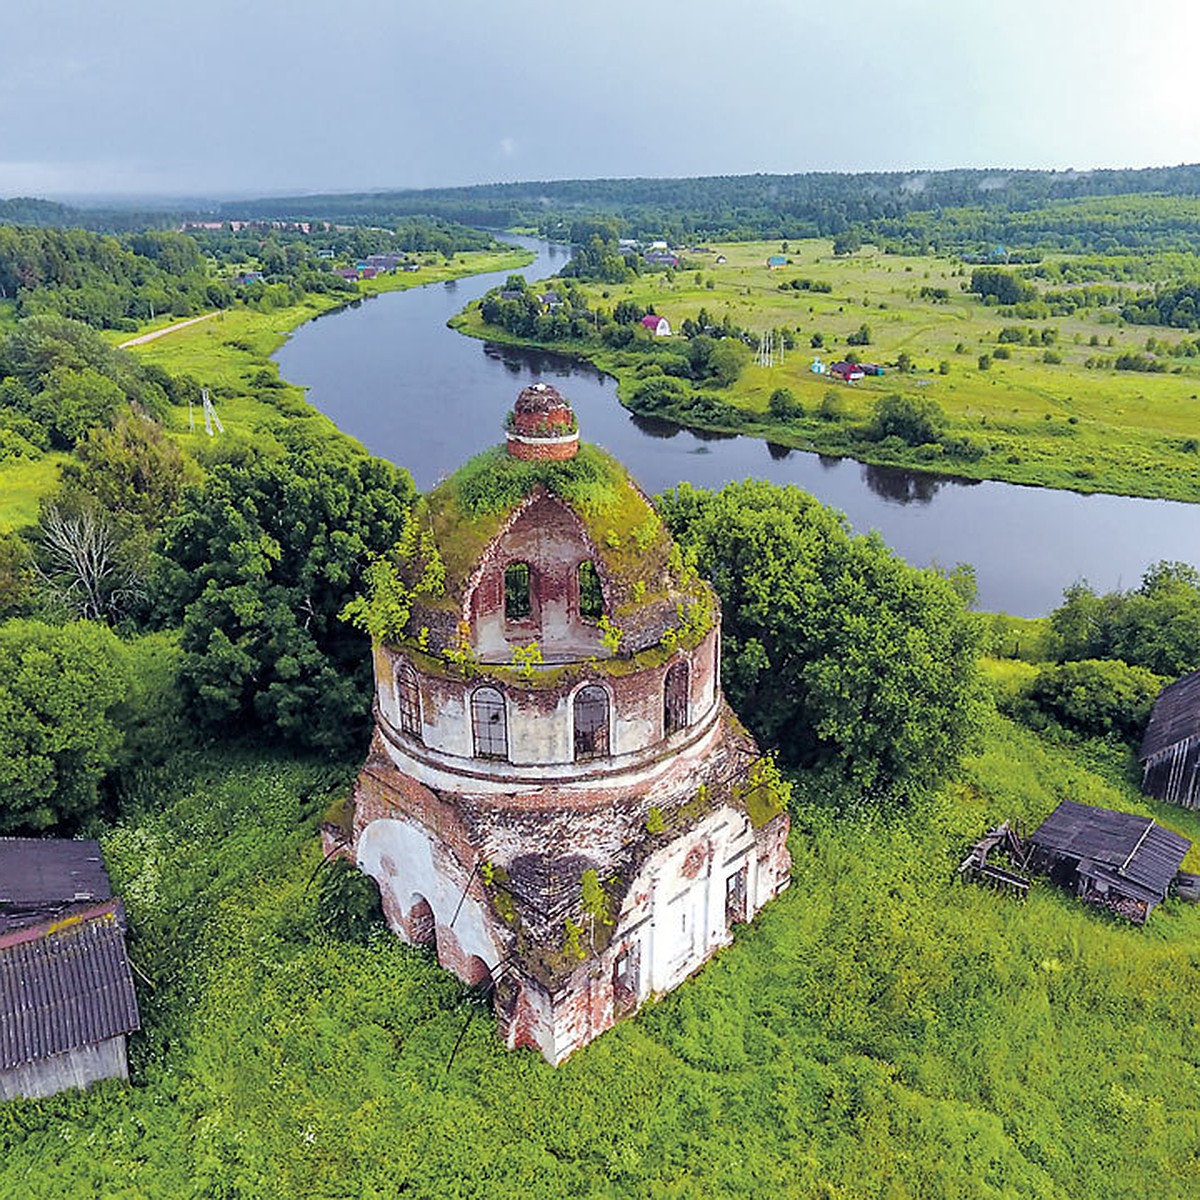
x,y
231,354
1041,412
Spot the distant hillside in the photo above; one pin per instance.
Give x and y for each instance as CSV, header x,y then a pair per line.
x,y
28,211
744,206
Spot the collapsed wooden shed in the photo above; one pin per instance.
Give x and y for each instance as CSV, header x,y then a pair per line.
x,y
67,1001
1170,753
1115,860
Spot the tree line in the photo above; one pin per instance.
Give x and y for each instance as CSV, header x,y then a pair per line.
x,y
114,282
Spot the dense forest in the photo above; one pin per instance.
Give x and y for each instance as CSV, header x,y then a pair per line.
x,y
114,282
969,209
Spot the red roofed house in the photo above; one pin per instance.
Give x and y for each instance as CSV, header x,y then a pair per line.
x,y
847,372
659,326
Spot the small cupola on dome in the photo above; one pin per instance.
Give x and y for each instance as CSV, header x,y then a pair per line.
x,y
542,425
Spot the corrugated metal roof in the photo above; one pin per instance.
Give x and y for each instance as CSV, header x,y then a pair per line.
x,y
1176,716
1135,848
64,986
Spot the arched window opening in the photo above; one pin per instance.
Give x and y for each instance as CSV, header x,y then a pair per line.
x,y
591,597
591,722
518,602
625,980
675,698
408,695
488,723
420,925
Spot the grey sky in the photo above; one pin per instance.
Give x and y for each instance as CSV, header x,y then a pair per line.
x,y
253,96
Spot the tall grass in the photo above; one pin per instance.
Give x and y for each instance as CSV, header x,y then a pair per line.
x,y
880,1031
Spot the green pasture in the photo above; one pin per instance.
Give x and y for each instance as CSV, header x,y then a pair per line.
x,y
22,485
1054,424
881,1031
228,352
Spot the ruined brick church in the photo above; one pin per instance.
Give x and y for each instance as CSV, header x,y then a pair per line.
x,y
557,798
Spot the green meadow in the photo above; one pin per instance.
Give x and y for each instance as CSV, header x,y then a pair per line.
x,y
1039,421
881,1031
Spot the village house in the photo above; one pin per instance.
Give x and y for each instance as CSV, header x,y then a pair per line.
x,y
557,799
67,1002
382,262
847,372
659,326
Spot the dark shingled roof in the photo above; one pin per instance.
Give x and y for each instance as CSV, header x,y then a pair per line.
x,y
40,877
64,985
51,871
1176,716
1135,849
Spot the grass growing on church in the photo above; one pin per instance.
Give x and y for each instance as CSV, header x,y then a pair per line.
x,y
880,1031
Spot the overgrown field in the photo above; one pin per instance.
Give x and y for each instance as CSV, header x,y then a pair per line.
x,y
881,1030
1049,407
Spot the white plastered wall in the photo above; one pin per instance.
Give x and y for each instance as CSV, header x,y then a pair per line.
x,y
682,919
401,858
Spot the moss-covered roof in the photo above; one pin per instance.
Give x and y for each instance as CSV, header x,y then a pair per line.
x,y
467,510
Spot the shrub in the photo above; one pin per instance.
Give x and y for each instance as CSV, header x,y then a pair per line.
x,y
915,420
1097,696
783,405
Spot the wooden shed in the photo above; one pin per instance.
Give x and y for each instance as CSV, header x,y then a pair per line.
x,y
67,1001
1170,753
1116,860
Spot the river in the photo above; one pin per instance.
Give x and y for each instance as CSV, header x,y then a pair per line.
x,y
389,372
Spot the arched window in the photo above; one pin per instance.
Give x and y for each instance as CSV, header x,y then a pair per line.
x,y
675,698
488,723
518,602
591,722
591,597
408,697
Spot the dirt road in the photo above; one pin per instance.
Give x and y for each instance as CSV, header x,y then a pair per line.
x,y
149,337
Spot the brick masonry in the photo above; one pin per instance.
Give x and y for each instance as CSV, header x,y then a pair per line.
x,y
489,858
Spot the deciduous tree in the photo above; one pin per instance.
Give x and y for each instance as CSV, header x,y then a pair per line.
x,y
836,652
